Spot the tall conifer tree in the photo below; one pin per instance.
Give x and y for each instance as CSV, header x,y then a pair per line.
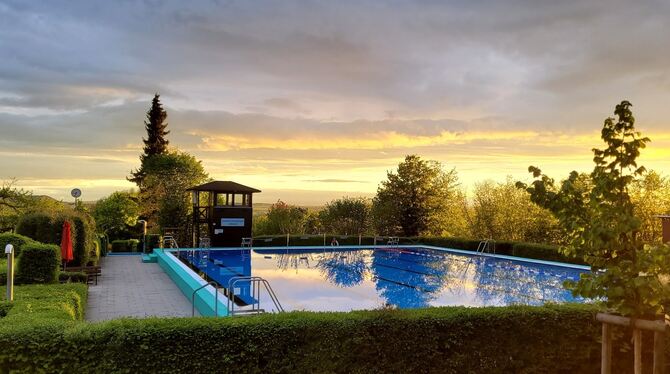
x,y
155,143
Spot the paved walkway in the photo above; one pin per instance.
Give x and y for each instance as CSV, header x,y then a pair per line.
x,y
130,288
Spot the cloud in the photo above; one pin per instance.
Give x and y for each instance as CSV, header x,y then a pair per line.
x,y
302,94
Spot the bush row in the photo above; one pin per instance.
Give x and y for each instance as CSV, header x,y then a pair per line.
x,y
310,240
130,245
516,339
17,240
519,249
38,263
47,306
153,242
48,229
72,277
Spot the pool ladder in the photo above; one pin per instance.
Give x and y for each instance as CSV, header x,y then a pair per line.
x,y
256,283
486,246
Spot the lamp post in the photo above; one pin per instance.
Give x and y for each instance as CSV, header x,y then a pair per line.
x,y
144,234
9,250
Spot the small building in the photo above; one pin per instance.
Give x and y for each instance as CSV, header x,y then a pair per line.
x,y
222,213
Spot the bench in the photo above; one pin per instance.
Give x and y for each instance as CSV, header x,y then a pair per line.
x,y
92,272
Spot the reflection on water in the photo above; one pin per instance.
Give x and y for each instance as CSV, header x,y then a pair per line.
x,y
329,279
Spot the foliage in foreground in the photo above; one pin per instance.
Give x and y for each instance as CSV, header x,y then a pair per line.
x,y
449,340
47,305
598,217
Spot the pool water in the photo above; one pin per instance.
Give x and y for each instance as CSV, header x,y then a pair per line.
x,y
328,279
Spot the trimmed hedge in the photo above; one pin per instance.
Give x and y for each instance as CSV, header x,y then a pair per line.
x,y
45,228
18,241
153,241
84,238
528,250
72,277
516,339
5,306
309,240
38,263
518,249
130,245
43,305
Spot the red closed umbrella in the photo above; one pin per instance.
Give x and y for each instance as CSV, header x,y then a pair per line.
x,y
66,243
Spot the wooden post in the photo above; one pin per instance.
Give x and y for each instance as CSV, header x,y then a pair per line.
x,y
324,239
606,355
360,239
287,238
637,349
659,352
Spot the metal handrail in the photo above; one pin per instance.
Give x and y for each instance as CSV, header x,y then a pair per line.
x,y
171,241
216,297
256,282
485,245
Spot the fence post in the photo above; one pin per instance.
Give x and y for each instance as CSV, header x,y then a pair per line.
x,y
606,355
324,239
637,349
360,239
287,238
659,352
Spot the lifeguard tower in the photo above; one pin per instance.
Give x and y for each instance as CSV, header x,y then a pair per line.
x,y
222,213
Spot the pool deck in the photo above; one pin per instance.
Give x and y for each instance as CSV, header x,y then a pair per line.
x,y
130,288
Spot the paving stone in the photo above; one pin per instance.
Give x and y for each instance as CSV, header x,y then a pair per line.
x,y
130,288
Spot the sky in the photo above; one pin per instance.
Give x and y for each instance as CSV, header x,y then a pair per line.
x,y
314,100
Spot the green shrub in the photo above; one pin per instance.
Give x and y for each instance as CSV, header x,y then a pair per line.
x,y
451,340
47,228
37,226
5,306
44,304
543,252
72,277
134,245
18,241
103,241
130,245
83,240
38,263
120,246
3,271
153,242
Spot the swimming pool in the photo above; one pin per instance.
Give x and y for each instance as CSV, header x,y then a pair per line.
x,y
344,279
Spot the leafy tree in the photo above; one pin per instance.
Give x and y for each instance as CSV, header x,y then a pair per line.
x,y
12,201
503,212
651,197
601,226
282,218
114,213
15,202
313,223
164,199
155,143
418,199
349,216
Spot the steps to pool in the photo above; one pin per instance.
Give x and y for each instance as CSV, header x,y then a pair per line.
x,y
149,258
